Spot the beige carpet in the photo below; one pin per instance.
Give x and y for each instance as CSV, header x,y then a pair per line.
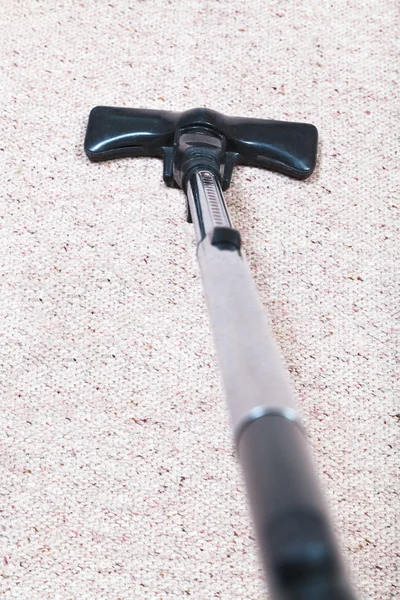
x,y
118,476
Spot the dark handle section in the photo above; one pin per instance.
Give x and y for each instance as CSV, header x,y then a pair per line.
x,y
297,546
289,148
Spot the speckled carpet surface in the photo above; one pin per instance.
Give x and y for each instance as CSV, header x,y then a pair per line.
x,y
118,474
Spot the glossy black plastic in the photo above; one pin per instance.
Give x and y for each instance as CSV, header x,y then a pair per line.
x,y
295,536
289,148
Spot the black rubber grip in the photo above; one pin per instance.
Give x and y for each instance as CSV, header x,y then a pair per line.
x,y
296,542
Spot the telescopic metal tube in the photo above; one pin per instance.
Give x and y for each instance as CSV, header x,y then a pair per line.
x,y
252,369
293,531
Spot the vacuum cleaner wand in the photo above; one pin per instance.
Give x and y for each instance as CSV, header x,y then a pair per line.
x,y
200,147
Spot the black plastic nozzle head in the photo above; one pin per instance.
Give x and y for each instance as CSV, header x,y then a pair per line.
x,y
289,148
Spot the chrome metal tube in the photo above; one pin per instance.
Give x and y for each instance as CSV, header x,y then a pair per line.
x,y
207,204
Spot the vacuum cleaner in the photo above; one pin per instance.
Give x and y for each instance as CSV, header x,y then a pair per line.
x,y
199,149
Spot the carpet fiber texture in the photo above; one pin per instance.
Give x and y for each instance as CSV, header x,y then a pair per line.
x,y
118,473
